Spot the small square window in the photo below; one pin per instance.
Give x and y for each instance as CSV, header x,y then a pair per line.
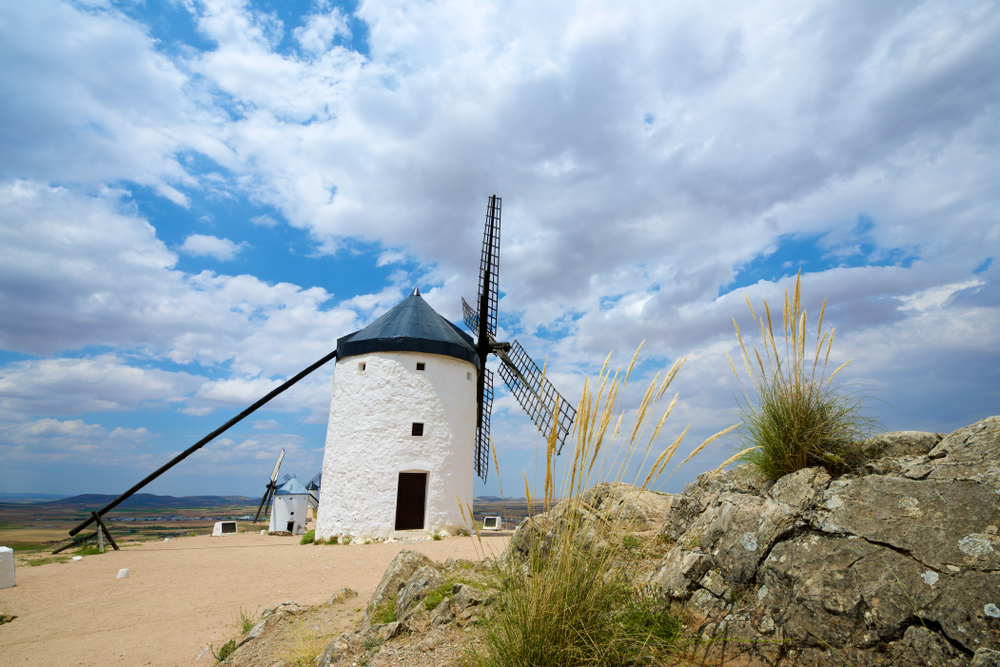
x,y
418,428
420,366
361,366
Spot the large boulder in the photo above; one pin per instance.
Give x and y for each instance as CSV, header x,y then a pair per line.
x,y
902,443
971,453
421,582
601,512
403,566
943,524
406,584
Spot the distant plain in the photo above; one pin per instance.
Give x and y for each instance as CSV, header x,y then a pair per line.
x,y
35,528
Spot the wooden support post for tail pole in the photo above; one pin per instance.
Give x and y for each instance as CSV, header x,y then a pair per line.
x,y
104,530
100,541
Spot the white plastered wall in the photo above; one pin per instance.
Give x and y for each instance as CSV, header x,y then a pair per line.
x,y
289,508
369,442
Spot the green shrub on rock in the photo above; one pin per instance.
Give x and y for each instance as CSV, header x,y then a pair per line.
x,y
794,417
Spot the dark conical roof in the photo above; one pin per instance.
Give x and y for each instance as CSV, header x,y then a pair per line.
x,y
411,326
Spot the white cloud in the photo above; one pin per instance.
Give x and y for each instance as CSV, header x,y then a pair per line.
x,y
390,257
645,153
97,384
64,257
263,221
321,29
311,394
255,457
95,101
52,440
201,245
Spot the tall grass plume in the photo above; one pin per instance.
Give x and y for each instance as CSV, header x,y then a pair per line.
x,y
565,592
794,414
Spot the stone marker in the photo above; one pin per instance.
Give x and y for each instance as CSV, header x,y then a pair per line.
x,y
76,559
6,567
123,573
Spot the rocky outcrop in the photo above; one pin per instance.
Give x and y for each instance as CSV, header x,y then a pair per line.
x,y
896,565
603,510
416,596
891,566
397,575
270,617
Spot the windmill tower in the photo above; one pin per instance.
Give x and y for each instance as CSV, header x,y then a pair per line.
x,y
291,502
313,487
402,424
410,412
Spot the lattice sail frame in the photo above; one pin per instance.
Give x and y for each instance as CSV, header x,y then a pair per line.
x,y
538,398
470,316
527,382
482,456
489,266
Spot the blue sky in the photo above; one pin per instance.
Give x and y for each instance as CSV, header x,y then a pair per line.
x,y
197,198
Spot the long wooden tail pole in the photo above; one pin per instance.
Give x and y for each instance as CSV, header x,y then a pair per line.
x,y
76,541
204,441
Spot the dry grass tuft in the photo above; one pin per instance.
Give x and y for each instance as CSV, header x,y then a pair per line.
x,y
307,643
572,602
794,417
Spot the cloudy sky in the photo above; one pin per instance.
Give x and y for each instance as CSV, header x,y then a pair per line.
x,y
197,197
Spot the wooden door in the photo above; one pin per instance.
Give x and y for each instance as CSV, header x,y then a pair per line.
x,y
410,499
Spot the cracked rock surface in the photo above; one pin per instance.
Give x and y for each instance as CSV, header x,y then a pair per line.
x,y
895,566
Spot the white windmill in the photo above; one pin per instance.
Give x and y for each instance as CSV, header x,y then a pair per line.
x,y
410,412
291,504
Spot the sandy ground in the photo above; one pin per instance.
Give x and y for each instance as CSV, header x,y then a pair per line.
x,y
183,594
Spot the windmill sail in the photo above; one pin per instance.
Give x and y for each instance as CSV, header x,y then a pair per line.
x,y
470,316
526,381
482,459
486,327
536,394
274,473
489,269
271,486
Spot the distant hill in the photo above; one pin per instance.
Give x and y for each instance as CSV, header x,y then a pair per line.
x,y
151,501
29,497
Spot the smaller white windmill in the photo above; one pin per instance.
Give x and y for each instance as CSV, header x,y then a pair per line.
x,y
291,503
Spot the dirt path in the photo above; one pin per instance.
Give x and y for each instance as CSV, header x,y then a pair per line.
x,y
183,594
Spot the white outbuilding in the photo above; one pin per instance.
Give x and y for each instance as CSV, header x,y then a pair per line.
x,y
291,503
401,436
8,577
224,528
